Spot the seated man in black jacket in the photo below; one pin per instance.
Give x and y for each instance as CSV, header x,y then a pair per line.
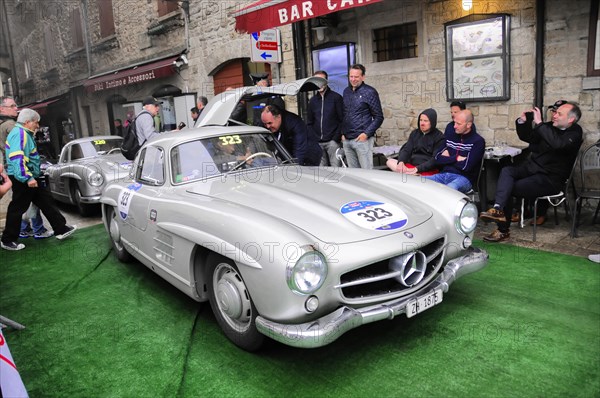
x,y
417,154
292,132
554,147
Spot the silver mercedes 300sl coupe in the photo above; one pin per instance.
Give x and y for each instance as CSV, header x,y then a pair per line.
x,y
85,167
299,254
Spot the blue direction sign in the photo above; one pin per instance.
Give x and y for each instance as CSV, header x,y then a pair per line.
x,y
265,46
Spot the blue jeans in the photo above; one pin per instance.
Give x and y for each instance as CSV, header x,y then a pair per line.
x,y
37,222
454,181
359,154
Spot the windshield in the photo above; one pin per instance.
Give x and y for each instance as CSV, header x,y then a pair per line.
x,y
214,156
91,148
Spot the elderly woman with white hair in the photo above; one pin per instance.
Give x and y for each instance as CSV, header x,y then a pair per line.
x,y
23,169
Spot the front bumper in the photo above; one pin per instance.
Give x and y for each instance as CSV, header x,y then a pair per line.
x,y
91,199
328,328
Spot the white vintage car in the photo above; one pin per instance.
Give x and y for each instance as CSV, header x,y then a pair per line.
x,y
85,166
298,254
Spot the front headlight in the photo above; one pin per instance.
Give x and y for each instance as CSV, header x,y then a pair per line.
x,y
95,179
465,217
308,274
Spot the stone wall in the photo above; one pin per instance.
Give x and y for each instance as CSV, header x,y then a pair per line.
x,y
406,86
566,62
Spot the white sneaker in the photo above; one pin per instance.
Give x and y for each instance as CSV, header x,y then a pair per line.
x,y
12,246
594,257
69,232
44,235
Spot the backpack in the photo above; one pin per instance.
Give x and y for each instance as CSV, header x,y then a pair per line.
x,y
131,145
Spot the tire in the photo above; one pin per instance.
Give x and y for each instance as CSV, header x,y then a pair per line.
x,y
84,209
115,237
232,305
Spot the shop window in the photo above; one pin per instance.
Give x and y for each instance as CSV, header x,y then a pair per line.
x,y
107,21
166,7
76,29
396,42
594,41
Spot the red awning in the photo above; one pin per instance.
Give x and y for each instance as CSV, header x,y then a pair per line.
x,y
137,74
267,14
40,105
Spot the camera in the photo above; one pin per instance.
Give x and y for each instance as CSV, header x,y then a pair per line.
x,y
529,115
181,125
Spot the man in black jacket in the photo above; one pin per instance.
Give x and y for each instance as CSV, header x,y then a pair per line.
x,y
325,117
293,133
554,147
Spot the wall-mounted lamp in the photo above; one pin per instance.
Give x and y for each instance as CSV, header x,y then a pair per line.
x,y
467,4
320,24
320,32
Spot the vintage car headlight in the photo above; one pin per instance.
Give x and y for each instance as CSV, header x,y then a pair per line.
x,y
308,274
466,217
95,179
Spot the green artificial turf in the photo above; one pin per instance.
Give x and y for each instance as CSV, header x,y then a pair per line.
x,y
528,325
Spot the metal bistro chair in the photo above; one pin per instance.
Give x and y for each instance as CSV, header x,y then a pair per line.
x,y
589,162
478,190
554,200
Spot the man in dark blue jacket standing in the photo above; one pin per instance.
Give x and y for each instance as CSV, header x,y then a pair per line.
x,y
289,129
363,115
325,117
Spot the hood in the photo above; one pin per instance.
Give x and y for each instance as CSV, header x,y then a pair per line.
x,y
431,115
351,208
219,109
111,165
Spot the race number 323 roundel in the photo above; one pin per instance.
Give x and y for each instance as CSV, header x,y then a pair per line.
x,y
374,215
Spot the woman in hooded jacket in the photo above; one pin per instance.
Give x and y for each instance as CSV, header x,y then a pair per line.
x,y
417,155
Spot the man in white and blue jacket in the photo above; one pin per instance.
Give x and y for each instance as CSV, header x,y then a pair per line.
x,y
23,169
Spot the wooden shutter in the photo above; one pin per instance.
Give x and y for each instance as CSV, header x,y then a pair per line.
x,y
107,21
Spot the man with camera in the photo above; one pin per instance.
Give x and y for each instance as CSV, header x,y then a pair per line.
x,y
554,146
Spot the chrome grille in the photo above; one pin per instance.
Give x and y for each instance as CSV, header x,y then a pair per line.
x,y
380,279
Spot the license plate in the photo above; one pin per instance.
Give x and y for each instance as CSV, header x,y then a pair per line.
x,y
423,303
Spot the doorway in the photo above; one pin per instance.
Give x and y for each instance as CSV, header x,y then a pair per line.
x,y
335,59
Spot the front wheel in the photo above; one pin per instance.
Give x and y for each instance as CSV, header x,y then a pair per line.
x,y
84,209
115,236
232,305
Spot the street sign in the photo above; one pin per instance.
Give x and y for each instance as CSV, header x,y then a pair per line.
x,y
265,46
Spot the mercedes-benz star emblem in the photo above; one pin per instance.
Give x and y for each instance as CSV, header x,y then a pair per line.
x,y
411,266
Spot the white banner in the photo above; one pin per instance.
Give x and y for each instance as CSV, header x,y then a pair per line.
x,y
11,384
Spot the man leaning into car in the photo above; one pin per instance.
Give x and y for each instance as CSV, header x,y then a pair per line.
x,y
293,133
23,170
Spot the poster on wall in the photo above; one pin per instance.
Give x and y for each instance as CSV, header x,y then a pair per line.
x,y
478,58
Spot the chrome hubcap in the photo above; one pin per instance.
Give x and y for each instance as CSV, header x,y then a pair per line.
x,y
232,297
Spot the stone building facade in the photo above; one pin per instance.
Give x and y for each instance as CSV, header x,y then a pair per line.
x,y
215,56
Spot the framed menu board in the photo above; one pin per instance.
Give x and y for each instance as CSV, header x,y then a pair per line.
x,y
478,58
